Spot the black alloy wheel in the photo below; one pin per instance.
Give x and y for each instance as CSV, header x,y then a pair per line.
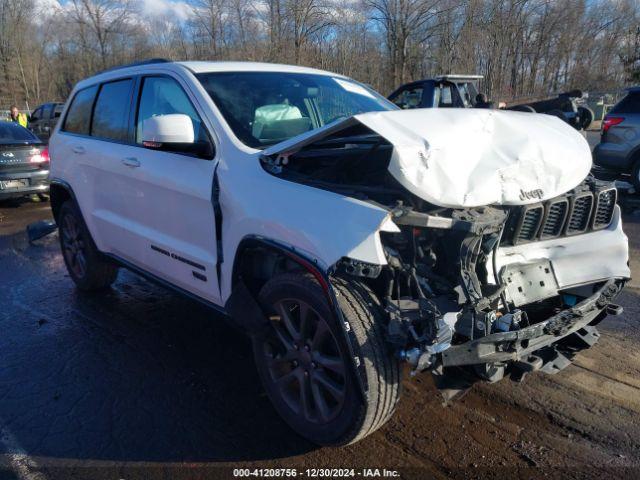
x,y
305,362
73,246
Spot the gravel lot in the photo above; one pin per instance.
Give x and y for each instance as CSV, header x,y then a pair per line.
x,y
141,383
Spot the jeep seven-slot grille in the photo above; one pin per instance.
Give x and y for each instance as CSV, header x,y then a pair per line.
x,y
605,203
530,223
568,215
556,214
580,213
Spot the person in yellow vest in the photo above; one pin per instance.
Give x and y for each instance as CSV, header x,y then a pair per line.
x,y
16,116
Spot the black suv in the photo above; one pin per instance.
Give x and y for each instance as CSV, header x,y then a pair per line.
x,y
44,118
619,147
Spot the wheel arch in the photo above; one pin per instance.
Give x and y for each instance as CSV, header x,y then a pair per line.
x,y
59,192
273,257
242,304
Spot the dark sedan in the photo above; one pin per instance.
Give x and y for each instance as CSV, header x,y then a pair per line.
x,y
24,162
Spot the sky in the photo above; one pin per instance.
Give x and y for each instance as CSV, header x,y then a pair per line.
x,y
179,9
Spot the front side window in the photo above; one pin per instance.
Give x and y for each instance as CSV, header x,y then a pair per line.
x,y
264,108
164,96
79,115
409,98
111,113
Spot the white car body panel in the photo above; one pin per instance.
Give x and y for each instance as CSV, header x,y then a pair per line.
x,y
576,260
321,225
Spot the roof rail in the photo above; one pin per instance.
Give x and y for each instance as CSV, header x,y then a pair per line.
x,y
148,61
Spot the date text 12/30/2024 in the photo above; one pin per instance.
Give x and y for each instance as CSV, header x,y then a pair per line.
x,y
316,472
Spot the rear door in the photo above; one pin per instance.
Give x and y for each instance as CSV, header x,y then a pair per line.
x,y
154,208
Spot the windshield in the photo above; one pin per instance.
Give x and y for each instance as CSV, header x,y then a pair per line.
x,y
11,132
264,108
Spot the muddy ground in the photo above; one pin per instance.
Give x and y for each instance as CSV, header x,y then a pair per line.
x,y
141,383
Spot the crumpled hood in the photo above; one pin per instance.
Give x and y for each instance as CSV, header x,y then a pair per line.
x,y
473,157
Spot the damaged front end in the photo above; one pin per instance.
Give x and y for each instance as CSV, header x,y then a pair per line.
x,y
454,311
474,292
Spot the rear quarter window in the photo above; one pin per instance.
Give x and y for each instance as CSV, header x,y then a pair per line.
x,y
78,119
629,104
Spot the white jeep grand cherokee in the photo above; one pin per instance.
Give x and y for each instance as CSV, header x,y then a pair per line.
x,y
344,235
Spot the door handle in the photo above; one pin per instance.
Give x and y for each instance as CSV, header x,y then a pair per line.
x,y
131,162
78,149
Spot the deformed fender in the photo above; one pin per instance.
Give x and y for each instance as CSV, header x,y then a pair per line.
x,y
323,226
243,306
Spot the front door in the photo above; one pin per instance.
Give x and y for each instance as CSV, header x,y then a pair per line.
x,y
154,208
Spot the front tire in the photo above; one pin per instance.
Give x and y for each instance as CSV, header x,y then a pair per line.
x,y
87,267
306,366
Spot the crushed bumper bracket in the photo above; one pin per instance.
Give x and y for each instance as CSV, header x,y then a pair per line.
x,y
516,345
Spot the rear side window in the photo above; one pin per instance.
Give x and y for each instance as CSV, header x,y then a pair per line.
x,y
79,116
111,113
629,104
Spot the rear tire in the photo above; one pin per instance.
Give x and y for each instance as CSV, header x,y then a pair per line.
x,y
296,367
87,267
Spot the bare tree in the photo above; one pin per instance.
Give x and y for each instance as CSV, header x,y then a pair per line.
x,y
104,20
522,47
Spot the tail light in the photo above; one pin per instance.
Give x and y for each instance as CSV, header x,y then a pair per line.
x,y
41,157
609,122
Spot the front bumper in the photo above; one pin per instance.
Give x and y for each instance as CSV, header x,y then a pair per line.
x,y
518,345
38,183
582,259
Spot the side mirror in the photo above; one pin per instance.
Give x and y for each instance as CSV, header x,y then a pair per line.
x,y
173,133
